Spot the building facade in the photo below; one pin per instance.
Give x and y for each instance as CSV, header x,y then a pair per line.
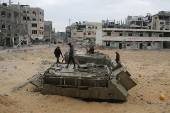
x,y
68,34
13,31
161,21
34,20
85,30
139,22
134,38
48,31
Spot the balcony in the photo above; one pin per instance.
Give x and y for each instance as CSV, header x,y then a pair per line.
x,y
133,25
90,29
79,30
90,36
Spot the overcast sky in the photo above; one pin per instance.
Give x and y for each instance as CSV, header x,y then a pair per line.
x,y
60,11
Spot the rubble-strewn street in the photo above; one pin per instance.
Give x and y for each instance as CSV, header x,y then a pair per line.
x,y
150,69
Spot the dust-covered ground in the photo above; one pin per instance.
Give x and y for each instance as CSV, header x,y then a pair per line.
x,y
151,69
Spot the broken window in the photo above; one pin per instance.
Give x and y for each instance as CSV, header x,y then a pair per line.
x,y
155,17
160,35
24,11
28,18
89,33
128,44
27,11
40,13
161,28
74,33
3,26
33,12
108,33
34,31
129,34
34,19
155,24
161,22
24,18
150,34
3,13
84,33
149,44
166,29
141,35
120,34
34,25
161,17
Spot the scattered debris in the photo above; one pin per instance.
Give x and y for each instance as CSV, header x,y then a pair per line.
x,y
15,67
45,62
5,95
45,97
149,102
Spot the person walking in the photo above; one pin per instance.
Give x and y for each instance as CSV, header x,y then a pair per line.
x,y
57,53
71,55
117,57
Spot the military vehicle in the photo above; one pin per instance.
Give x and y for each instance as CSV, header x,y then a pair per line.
x,y
96,76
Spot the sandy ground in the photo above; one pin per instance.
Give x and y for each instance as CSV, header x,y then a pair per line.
x,y
18,66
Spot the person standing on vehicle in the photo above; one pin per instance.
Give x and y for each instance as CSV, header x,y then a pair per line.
x,y
91,50
71,55
57,53
117,57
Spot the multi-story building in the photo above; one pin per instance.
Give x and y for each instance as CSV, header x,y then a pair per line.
x,y
161,21
133,38
47,31
13,31
138,32
68,34
139,22
85,30
34,20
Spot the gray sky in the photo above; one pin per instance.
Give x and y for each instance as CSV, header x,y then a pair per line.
x,y
60,11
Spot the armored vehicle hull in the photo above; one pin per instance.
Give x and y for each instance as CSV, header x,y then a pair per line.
x,y
95,77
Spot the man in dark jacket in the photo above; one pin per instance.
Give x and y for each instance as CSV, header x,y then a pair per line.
x,y
117,57
91,50
71,54
57,53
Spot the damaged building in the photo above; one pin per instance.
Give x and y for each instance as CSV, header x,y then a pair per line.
x,y
49,32
137,32
34,19
68,35
85,30
12,30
